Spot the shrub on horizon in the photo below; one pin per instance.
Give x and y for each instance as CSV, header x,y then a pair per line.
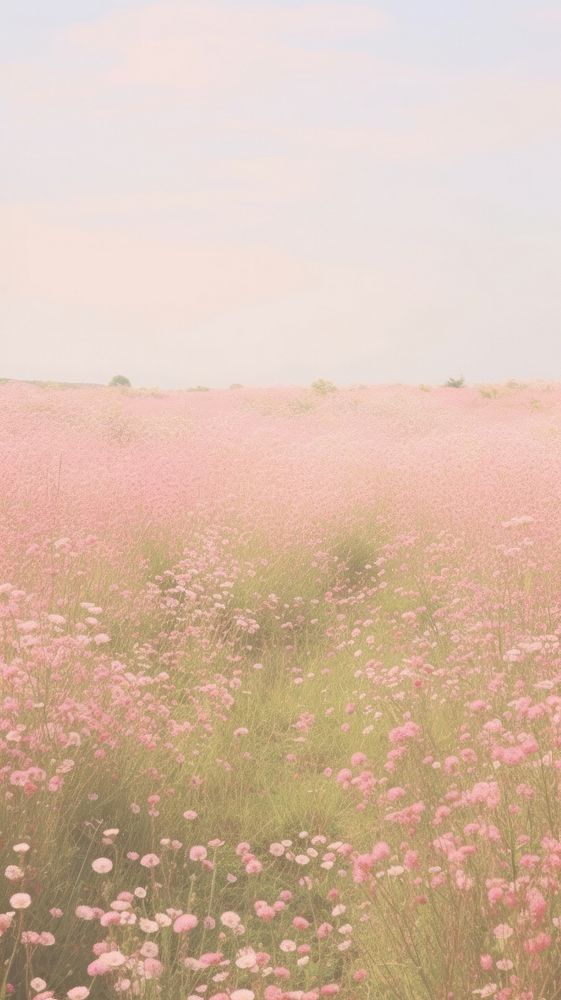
x,y
323,386
455,383
120,380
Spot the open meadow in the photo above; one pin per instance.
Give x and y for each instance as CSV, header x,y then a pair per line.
x,y
280,693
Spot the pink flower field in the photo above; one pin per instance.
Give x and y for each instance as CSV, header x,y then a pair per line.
x,y
280,701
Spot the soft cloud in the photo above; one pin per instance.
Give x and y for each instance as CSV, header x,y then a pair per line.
x,y
179,281
212,49
548,14
486,114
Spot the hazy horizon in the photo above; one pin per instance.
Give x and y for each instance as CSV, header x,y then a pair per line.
x,y
496,384
218,191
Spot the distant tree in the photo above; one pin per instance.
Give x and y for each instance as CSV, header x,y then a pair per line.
x,y
120,380
455,383
323,386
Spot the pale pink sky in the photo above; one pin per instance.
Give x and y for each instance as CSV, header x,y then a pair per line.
x,y
209,191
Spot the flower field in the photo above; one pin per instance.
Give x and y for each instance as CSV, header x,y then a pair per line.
x,y
280,693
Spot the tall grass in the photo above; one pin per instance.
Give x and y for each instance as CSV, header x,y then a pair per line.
x,y
280,728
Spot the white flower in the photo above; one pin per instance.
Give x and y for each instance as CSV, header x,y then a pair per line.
x,y
20,901
246,959
503,931
148,926
287,945
13,873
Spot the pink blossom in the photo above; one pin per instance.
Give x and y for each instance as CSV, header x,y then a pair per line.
x,y
102,865
149,861
198,853
184,923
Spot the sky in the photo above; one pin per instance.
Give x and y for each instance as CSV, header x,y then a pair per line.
x,y
272,191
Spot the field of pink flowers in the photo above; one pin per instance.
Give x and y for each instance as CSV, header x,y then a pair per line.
x,y
280,694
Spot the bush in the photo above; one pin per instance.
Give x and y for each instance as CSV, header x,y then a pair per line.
x,y
120,380
455,383
236,385
323,386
